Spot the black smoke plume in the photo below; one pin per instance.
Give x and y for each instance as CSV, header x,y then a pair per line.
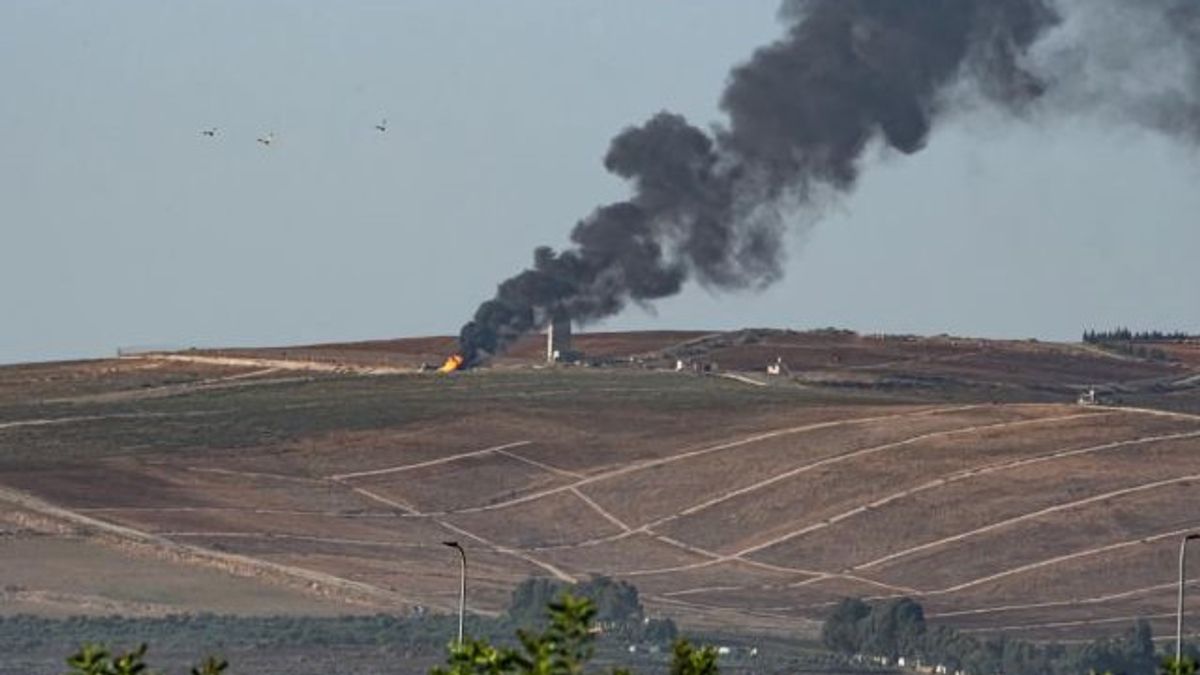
x,y
712,206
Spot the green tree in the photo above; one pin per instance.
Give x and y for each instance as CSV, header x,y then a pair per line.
x,y
530,598
842,629
1184,666
98,660
616,601
689,660
564,647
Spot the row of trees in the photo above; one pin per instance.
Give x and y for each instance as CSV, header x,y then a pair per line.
x,y
897,628
561,625
425,634
563,646
619,613
619,610
1126,335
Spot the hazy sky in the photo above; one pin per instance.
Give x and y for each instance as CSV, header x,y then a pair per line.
x,y
123,226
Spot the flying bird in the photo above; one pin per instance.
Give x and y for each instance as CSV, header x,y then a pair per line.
x,y
268,139
382,126
210,132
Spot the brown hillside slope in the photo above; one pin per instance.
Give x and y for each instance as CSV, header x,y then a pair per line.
x,y
752,506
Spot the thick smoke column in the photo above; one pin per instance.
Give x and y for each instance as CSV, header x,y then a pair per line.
x,y
711,207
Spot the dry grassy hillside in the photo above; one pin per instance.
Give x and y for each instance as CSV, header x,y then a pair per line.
x,y
982,490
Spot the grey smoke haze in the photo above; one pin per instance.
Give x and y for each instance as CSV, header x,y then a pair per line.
x,y
1128,62
711,205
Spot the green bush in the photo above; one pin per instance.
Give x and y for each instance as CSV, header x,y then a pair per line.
x,y
563,647
97,660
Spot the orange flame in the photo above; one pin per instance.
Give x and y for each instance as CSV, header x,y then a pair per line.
x,y
453,363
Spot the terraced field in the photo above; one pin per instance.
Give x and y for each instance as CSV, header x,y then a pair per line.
x,y
726,504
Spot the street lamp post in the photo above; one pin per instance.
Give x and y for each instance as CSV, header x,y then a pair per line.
x,y
1179,608
462,586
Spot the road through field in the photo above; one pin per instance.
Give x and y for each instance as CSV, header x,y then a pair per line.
x,y
1057,560
959,476
627,530
281,364
508,550
1073,602
849,456
728,445
1023,518
52,421
422,465
738,556
938,482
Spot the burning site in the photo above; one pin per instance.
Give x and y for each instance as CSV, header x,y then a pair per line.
x,y
711,206
928,475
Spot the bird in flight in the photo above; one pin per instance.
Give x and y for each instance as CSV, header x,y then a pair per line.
x,y
268,139
210,132
382,126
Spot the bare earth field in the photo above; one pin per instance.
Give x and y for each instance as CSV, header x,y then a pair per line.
x,y
323,479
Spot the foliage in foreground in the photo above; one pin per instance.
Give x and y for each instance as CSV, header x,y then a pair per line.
x,y
97,660
619,609
563,647
1184,666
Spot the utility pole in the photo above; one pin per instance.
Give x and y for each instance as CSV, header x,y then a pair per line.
x,y
1179,607
462,586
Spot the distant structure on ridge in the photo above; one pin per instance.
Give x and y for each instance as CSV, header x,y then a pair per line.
x,y
558,340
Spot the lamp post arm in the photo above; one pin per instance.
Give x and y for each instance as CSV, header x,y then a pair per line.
x,y
462,594
1179,606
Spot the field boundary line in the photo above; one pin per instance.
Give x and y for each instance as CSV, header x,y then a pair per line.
x,y
232,509
589,543
508,550
745,440
380,499
600,510
258,474
86,601
701,589
765,436
1069,624
963,475
540,465
295,537
1094,600
673,569
826,576
310,581
684,546
739,556
1156,412
54,421
1032,515
1146,539
428,463
854,454
281,364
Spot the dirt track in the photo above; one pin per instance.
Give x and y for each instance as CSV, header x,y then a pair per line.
x,y
552,474
308,580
